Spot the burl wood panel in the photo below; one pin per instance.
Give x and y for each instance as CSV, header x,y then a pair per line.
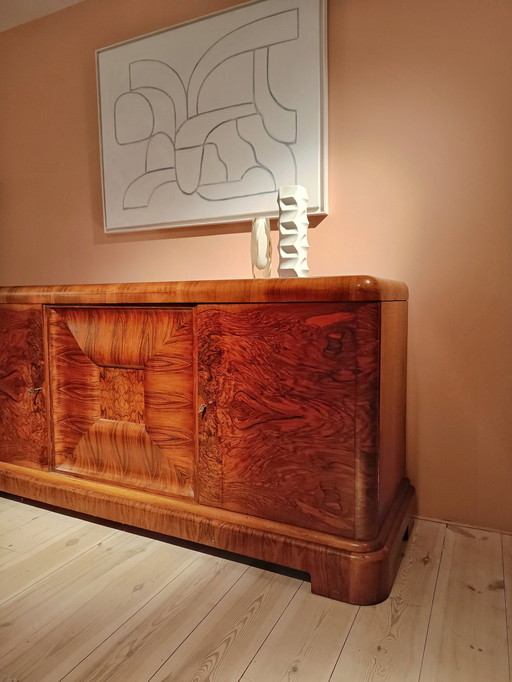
x,y
123,396
366,444
23,428
276,438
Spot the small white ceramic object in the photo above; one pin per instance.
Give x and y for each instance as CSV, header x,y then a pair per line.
x,y
261,248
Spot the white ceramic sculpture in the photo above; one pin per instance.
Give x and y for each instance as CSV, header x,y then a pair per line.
x,y
261,248
293,231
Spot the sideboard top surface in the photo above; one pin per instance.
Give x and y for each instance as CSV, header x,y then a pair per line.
x,y
339,288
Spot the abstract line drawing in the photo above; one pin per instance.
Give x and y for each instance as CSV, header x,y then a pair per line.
x,y
196,138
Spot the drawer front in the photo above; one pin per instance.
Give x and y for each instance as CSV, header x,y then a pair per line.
x,y
122,396
277,384
23,429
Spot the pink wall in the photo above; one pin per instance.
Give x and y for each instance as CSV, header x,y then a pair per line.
x,y
420,190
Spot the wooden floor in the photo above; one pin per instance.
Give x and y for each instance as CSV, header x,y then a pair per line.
x,y
81,601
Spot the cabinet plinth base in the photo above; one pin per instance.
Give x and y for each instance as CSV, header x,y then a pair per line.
x,y
357,572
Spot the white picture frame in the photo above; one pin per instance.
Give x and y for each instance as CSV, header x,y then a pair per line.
x,y
202,122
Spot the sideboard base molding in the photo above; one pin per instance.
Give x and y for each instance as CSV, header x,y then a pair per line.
x,y
357,572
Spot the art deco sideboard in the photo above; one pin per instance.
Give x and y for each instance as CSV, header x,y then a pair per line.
x,y
263,417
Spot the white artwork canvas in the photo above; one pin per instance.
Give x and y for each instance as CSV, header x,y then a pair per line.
x,y
204,121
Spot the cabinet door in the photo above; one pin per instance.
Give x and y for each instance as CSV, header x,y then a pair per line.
x,y
277,385
122,396
23,431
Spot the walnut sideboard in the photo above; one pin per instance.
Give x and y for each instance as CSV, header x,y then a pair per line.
x,y
263,417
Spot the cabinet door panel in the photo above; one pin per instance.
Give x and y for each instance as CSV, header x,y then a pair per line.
x,y
276,435
122,396
23,430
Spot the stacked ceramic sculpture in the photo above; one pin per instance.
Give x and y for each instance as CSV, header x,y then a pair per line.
x,y
293,231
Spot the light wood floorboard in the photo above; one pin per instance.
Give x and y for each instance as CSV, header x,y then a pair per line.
x,y
37,531
84,602
223,645
507,570
144,642
14,517
87,599
467,637
387,640
6,502
305,643
6,555
26,569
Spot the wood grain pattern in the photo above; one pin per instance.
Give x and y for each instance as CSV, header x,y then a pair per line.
x,y
33,562
23,428
467,639
6,502
145,642
117,337
304,644
367,578
123,453
366,440
62,488
386,641
37,531
122,396
75,389
357,572
507,570
301,415
6,555
232,633
114,583
344,288
14,518
392,390
276,438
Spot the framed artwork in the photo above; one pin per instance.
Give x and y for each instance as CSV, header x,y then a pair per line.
x,y
204,121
